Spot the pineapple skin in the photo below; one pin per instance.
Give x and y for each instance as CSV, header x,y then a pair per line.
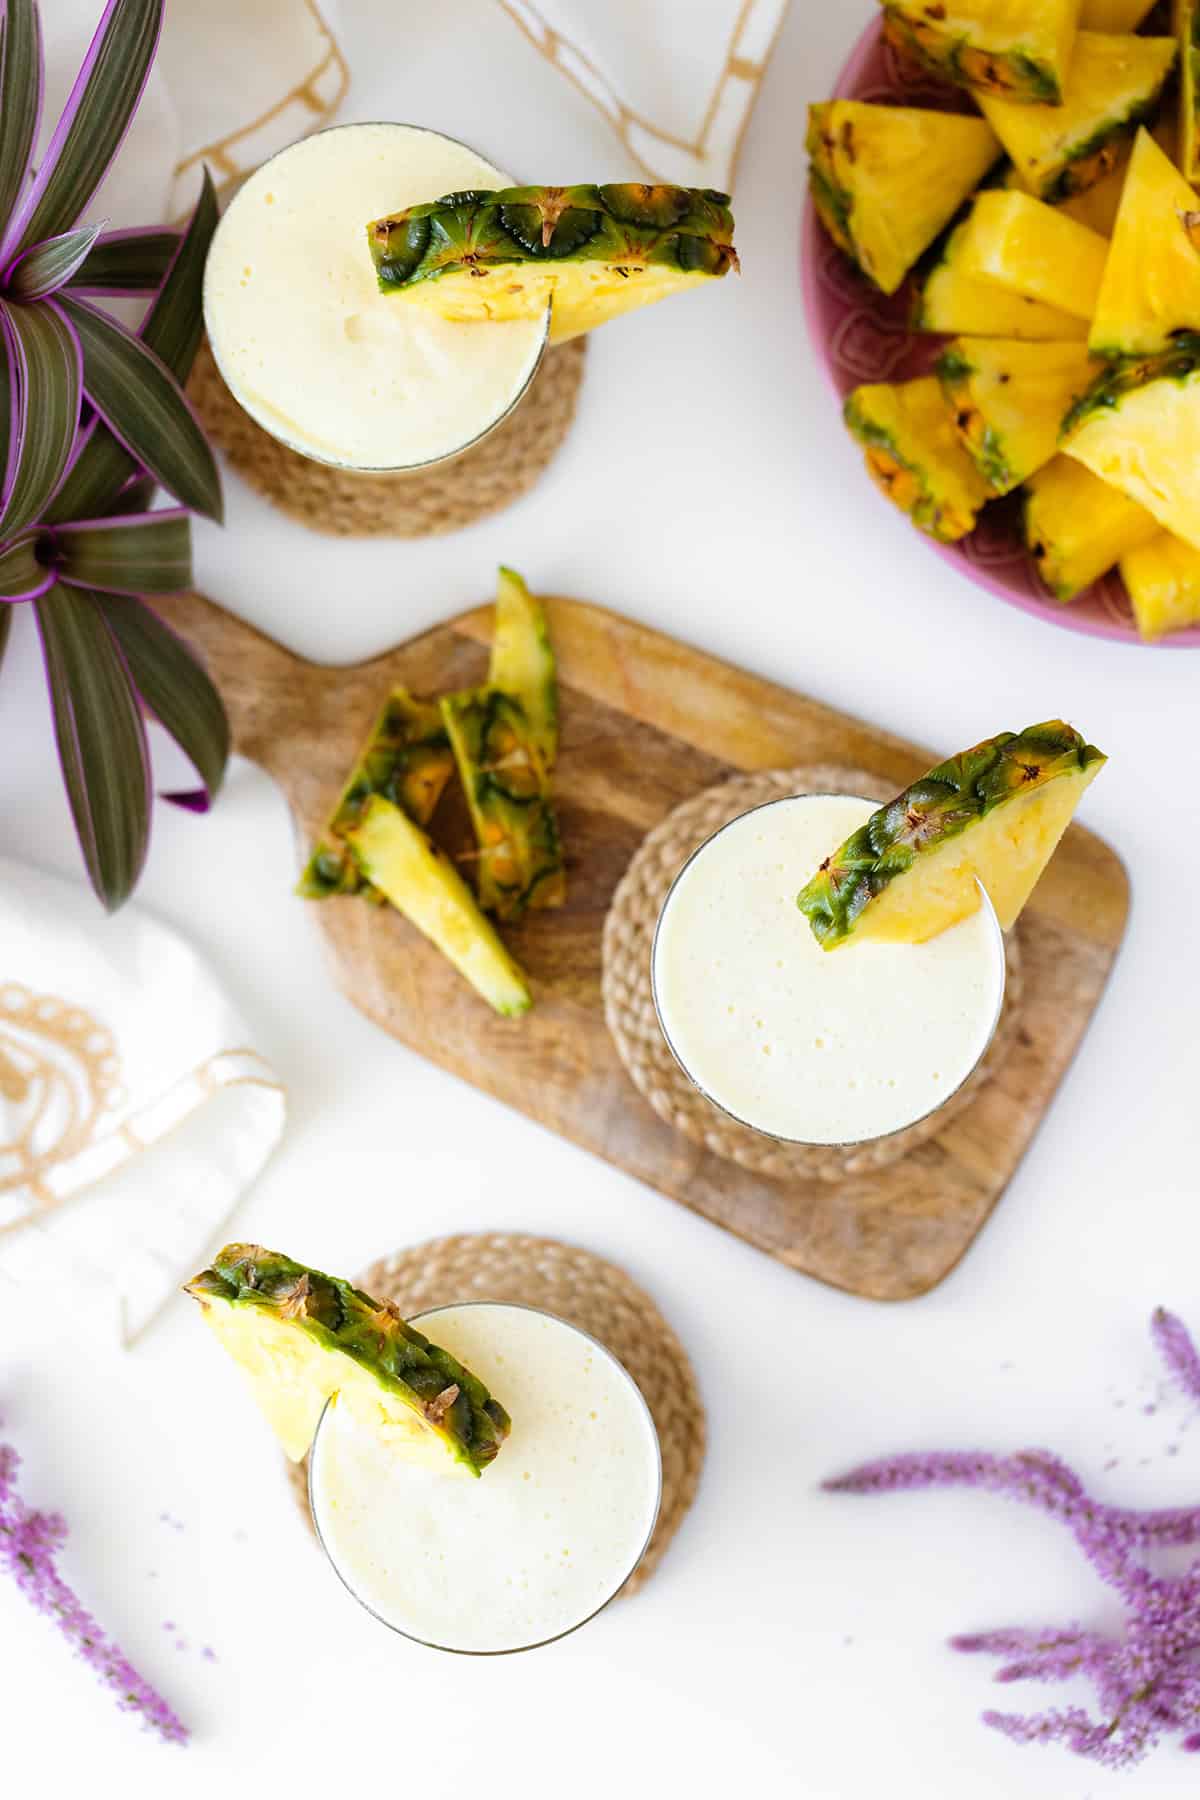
x,y
421,882
1009,400
1114,85
1162,576
1186,24
1077,526
914,456
1138,428
591,252
337,1317
508,792
942,806
980,45
885,180
408,760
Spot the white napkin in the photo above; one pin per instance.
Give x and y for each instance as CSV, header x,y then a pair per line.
x,y
132,1114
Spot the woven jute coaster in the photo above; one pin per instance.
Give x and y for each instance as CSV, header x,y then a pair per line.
x,y
482,480
586,1291
629,1001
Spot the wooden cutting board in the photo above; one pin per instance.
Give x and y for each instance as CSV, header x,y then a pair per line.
x,y
646,722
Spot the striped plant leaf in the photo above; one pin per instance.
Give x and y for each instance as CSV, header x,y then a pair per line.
x,y
177,691
9,422
22,576
44,358
38,272
143,406
172,330
126,262
138,553
20,97
6,618
93,123
101,740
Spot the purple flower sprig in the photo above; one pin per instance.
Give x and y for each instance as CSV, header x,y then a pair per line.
x,y
29,1545
1147,1680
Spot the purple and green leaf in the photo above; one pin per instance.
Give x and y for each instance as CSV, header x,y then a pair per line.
x,y
101,740
144,407
126,262
39,272
22,576
45,373
176,689
138,553
20,98
93,124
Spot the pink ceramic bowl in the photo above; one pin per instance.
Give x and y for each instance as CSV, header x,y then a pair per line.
x,y
860,335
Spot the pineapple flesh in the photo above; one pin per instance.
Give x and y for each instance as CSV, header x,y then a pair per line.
x,y
408,760
1019,48
914,456
1151,286
885,180
1009,400
1162,576
1021,244
960,305
1186,20
991,816
1077,526
302,1337
523,662
588,252
1114,85
422,883
1138,428
1114,15
507,786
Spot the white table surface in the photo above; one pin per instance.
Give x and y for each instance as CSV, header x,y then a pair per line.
x,y
792,1642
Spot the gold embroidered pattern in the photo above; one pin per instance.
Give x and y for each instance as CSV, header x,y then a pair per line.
x,y
60,1074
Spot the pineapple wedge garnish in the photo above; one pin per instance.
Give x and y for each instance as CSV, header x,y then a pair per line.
x,y
523,662
1009,399
951,302
422,883
1138,428
507,785
1019,48
589,252
408,760
302,1337
1077,526
1027,247
1151,286
1163,580
991,816
885,180
1114,85
914,456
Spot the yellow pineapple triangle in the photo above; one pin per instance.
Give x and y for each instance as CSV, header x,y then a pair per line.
x,y
1151,284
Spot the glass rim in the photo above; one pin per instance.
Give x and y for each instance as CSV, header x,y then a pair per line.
x,y
556,1637
330,462
771,1137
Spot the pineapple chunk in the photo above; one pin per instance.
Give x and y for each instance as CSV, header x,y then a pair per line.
x,y
302,1338
589,252
1139,429
1029,248
1151,286
508,792
1009,400
422,883
1113,85
1020,48
1114,15
1097,207
914,456
408,760
886,179
1077,526
1163,579
960,305
991,816
1186,20
523,662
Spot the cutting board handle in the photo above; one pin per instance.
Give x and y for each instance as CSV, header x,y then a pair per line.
x,y
258,679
